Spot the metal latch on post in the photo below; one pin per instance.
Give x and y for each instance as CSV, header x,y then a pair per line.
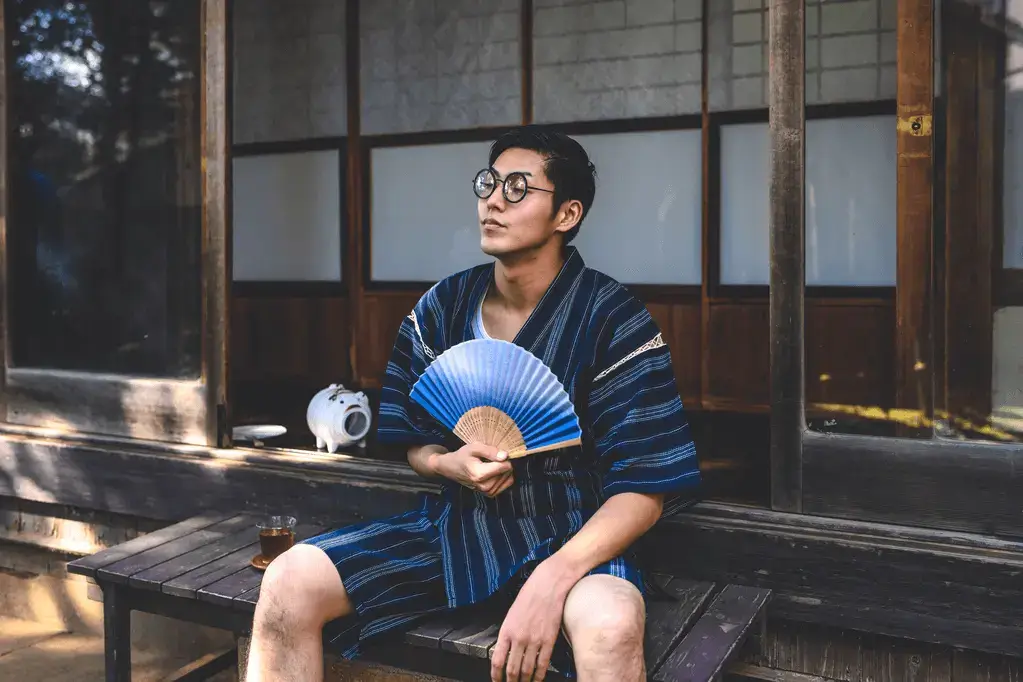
x,y
918,126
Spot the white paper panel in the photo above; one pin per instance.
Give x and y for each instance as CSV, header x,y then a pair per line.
x,y
1012,249
645,224
423,211
850,202
287,217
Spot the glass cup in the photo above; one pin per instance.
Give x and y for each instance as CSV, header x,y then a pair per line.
x,y
276,536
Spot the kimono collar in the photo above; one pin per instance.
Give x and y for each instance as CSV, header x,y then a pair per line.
x,y
552,299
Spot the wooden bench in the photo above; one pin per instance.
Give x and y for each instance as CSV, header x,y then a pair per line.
x,y
198,571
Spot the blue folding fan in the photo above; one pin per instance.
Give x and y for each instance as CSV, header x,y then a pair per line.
x,y
498,393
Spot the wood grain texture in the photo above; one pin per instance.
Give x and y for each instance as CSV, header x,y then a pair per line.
x,y
932,586
970,486
787,117
971,80
88,566
148,409
850,353
122,572
216,220
914,365
714,641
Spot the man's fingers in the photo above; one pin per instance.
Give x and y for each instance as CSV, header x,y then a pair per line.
x,y
514,665
487,452
498,660
529,662
543,662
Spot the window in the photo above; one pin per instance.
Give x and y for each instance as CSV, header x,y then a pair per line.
x,y
912,403
105,263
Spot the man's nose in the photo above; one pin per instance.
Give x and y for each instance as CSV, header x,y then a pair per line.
x,y
496,199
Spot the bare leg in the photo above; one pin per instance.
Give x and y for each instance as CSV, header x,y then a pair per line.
x,y
300,592
604,620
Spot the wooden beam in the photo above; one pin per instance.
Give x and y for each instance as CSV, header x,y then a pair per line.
x,y
914,364
787,117
972,54
961,485
216,219
354,199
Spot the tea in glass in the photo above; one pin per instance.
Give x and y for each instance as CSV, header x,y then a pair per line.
x,y
276,535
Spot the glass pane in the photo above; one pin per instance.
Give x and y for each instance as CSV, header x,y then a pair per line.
x,y
288,70
605,60
439,65
105,224
850,52
435,185
287,217
1012,226
850,206
651,182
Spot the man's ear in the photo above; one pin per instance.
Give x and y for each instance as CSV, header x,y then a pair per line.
x,y
569,215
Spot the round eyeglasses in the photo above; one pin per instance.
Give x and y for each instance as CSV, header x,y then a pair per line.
x,y
514,187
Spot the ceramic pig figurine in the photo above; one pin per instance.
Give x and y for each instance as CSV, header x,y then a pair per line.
x,y
338,417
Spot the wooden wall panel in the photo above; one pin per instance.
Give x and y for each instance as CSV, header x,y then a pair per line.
x,y
738,355
290,338
852,345
850,355
680,326
380,317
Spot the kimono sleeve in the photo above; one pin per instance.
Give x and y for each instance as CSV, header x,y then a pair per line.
x,y
401,420
638,424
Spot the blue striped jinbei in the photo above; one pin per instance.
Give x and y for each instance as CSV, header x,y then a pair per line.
x,y
460,547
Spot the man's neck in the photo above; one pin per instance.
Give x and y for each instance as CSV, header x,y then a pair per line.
x,y
521,282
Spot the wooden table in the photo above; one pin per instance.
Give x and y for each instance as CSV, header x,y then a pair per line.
x,y
198,571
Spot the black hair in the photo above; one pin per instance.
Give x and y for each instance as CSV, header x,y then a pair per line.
x,y
566,164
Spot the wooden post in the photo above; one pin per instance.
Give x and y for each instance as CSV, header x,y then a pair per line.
x,y
914,351
787,128
216,220
356,257
5,340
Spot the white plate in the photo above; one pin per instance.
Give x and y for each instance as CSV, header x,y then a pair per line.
x,y
257,432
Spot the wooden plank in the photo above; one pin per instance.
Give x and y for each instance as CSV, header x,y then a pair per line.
x,y
476,638
914,366
323,488
668,621
188,584
245,580
89,565
121,571
153,578
429,634
786,99
915,482
716,637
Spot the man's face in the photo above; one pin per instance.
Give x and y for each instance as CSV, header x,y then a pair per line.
x,y
508,228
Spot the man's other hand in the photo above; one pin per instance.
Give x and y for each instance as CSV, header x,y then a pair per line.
x,y
530,628
477,467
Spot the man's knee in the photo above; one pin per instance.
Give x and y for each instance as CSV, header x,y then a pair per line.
x,y
301,590
605,617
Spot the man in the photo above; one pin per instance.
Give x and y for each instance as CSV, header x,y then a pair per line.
x,y
549,534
